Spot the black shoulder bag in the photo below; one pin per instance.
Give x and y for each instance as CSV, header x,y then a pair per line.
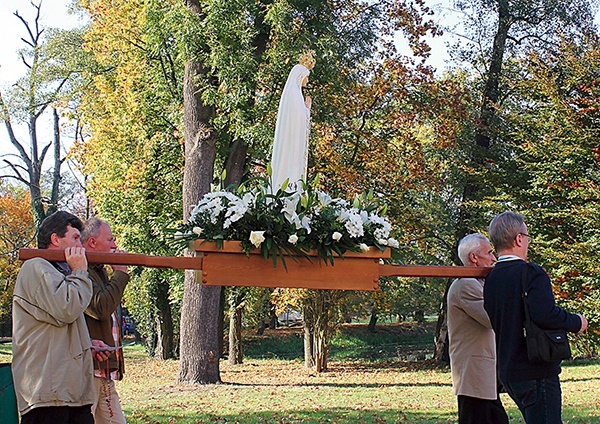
x,y
542,345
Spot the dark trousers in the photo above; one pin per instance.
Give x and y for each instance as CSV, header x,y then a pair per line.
x,y
59,415
477,411
538,400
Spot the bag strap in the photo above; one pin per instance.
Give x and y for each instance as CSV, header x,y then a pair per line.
x,y
524,293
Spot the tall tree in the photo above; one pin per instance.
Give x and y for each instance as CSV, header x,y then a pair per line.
x,y
555,128
133,154
498,32
31,98
200,313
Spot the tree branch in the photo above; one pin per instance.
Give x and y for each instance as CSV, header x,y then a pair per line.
x,y
11,135
16,171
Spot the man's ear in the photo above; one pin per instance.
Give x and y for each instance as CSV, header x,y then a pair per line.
x,y
473,258
518,241
91,242
54,240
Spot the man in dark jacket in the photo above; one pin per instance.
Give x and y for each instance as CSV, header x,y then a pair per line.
x,y
535,387
103,321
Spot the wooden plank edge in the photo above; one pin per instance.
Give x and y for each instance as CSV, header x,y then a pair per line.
x,y
440,271
298,284
230,246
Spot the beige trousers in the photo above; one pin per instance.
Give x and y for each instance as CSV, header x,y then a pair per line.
x,y
107,405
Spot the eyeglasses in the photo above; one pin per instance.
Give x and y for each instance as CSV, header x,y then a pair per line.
x,y
529,238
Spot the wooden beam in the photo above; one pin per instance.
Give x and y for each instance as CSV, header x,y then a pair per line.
x,y
389,270
133,259
229,267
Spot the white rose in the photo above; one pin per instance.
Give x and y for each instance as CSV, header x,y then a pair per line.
x,y
257,237
393,243
336,236
197,230
178,235
363,247
293,239
382,242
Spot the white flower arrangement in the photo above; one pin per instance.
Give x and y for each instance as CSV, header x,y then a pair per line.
x,y
290,222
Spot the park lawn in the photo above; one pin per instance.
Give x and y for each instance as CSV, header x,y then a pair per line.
x,y
282,391
369,381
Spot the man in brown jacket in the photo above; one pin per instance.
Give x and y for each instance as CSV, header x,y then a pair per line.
x,y
103,321
472,343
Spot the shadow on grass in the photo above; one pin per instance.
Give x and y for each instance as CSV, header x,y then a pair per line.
x,y
340,385
338,416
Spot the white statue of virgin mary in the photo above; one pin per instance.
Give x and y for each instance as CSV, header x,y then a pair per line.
x,y
290,147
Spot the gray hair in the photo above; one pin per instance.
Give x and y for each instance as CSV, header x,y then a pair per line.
x,y
469,244
504,229
91,228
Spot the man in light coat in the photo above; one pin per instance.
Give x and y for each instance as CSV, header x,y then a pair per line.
x,y
52,351
472,342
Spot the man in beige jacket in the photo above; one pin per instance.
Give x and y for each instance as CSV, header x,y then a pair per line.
x,y
52,350
472,343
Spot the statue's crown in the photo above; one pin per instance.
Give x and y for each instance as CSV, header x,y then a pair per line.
x,y
308,60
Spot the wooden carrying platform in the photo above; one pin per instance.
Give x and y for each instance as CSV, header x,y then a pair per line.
x,y
231,267
356,271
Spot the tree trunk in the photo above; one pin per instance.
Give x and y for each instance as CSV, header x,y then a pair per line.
x,y
441,330
236,162
236,303
309,358
491,93
321,338
164,318
221,329
319,312
53,204
236,354
372,322
273,323
199,341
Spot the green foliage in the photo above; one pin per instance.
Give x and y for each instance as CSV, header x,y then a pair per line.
x,y
556,131
132,102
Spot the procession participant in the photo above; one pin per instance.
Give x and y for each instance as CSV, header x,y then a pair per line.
x,y
472,345
103,320
535,387
52,351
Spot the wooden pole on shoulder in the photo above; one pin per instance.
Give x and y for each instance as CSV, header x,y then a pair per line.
x,y
133,259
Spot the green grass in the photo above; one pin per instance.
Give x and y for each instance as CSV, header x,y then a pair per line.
x,y
5,353
282,391
366,389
